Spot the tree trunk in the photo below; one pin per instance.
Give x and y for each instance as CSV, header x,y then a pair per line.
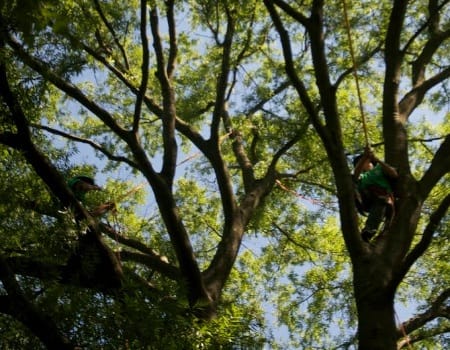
x,y
376,328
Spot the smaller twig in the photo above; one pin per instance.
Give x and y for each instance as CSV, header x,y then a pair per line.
x,y
86,141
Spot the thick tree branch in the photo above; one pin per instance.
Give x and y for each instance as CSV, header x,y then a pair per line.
x,y
432,23
424,243
299,17
219,269
162,184
168,95
244,161
291,71
322,75
414,97
132,243
146,256
139,154
393,56
67,87
194,136
245,164
394,132
255,192
47,172
23,310
236,217
220,266
437,309
144,67
440,165
173,50
22,141
11,140
29,267
222,82
153,263
180,125
436,38
427,334
53,272
157,45
331,134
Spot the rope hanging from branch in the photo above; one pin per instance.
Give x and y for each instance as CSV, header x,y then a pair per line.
x,y
355,73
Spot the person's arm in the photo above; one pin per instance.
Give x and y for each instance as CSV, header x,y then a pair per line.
x,y
387,169
102,209
360,165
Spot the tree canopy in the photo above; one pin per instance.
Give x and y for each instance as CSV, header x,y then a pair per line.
x,y
224,132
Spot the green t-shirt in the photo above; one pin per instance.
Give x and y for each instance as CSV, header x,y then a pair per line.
x,y
80,195
374,177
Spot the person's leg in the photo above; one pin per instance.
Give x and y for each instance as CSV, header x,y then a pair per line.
x,y
376,216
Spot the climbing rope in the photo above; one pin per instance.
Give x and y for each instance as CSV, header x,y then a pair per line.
x,y
355,73
298,195
117,233
402,328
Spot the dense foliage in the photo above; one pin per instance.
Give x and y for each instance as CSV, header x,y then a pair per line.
x,y
224,133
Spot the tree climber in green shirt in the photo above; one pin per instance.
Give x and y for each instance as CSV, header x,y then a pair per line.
x,y
92,263
373,178
80,185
